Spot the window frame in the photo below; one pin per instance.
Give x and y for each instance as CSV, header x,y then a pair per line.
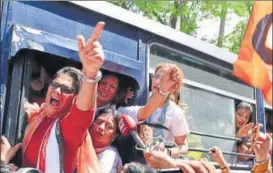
x,y
197,84
204,87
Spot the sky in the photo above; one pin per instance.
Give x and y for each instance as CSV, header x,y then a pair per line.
x,y
209,28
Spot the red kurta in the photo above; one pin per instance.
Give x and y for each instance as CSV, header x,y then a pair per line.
x,y
73,129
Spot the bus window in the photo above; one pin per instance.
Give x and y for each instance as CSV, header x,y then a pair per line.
x,y
210,93
269,120
203,72
31,74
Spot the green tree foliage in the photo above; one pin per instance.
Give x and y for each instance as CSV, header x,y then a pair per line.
x,y
185,16
176,14
220,9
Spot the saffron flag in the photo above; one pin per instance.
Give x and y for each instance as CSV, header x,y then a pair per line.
x,y
254,64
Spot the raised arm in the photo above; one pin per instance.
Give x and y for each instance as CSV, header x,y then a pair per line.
x,y
168,83
82,114
91,56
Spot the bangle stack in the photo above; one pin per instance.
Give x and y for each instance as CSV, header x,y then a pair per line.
x,y
95,80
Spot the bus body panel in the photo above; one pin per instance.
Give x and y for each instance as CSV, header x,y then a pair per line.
x,y
60,23
52,27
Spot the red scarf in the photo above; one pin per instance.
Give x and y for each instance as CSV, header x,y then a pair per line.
x,y
87,161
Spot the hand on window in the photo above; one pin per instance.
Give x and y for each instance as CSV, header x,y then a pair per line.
x,y
260,144
159,160
91,52
216,154
31,110
8,152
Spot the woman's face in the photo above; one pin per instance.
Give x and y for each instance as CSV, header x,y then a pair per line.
x,y
145,133
107,89
157,78
59,95
242,117
245,149
103,130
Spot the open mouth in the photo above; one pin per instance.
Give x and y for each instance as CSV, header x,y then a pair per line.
x,y
103,94
240,123
99,134
54,102
155,87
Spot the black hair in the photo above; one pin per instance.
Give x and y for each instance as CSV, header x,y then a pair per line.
x,y
114,112
245,106
135,167
74,73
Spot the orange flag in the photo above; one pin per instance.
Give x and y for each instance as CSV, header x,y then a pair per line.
x,y
254,64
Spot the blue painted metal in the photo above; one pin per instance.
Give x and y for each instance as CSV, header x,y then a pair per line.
x,y
25,37
260,109
52,27
57,19
5,36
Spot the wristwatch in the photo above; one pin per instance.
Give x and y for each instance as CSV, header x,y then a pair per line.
x,y
95,80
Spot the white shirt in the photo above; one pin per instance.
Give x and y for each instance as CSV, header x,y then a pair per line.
x,y
110,160
175,119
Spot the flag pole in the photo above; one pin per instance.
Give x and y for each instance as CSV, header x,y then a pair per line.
x,y
260,115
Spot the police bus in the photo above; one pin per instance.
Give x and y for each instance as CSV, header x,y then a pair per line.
x,y
45,33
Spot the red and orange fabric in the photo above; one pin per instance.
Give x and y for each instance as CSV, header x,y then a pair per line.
x,y
254,64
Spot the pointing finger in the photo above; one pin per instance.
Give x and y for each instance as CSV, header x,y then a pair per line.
x,y
97,31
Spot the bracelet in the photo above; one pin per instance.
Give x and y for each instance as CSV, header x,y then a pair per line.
x,y
223,168
262,162
92,81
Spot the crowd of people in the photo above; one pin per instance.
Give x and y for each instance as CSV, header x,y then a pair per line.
x,y
78,127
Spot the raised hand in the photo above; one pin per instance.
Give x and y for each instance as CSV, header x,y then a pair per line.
x,y
216,154
31,110
260,144
8,152
245,131
170,80
126,124
91,52
201,166
159,160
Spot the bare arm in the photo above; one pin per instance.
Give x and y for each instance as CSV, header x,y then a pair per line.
x,y
217,155
153,103
81,116
91,55
168,83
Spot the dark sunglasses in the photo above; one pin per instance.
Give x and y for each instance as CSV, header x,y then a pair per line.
x,y
64,89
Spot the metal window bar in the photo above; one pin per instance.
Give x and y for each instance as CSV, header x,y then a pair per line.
x,y
221,137
224,152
